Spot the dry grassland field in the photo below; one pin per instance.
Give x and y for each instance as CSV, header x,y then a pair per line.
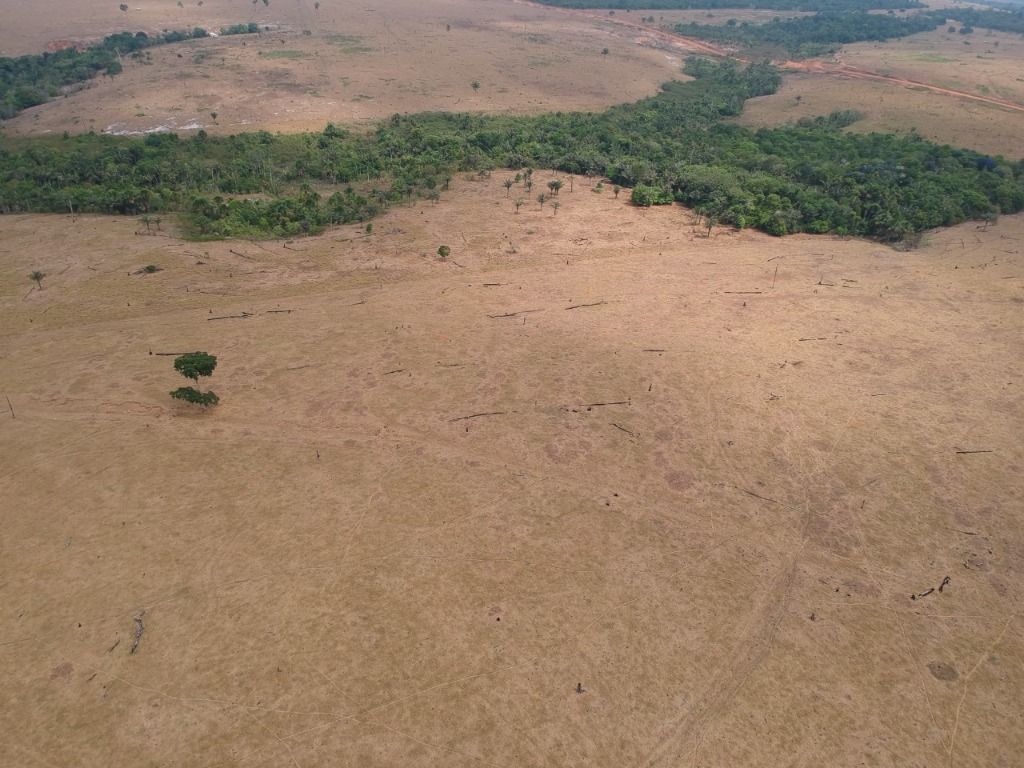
x,y
357,64
600,489
338,567
992,65
891,109
985,62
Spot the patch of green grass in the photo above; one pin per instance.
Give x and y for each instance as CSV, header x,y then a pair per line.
x,y
363,97
535,62
348,43
285,54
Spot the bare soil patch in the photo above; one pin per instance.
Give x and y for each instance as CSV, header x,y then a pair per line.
x,y
715,494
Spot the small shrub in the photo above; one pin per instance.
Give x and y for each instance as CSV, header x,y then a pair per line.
x,y
645,196
192,395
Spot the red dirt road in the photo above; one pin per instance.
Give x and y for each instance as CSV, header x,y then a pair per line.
x,y
651,36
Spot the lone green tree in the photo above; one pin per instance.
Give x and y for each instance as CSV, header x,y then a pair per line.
x,y
554,185
518,203
37,276
193,365
554,207
444,252
542,198
476,85
507,184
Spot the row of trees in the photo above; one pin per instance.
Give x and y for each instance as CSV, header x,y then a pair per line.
x,y
811,35
26,81
826,31
775,5
678,145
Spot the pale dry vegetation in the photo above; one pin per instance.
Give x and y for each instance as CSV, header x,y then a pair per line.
x,y
702,477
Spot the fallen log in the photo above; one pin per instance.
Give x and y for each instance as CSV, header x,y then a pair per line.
x,y
478,415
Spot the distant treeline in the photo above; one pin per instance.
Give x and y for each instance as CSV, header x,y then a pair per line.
x,y
26,81
772,5
825,32
676,146
1001,21
812,35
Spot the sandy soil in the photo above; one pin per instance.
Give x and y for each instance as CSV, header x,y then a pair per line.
x,y
712,476
360,64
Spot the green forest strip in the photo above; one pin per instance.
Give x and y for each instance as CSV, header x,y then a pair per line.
x,y
27,81
807,36
825,32
676,146
772,5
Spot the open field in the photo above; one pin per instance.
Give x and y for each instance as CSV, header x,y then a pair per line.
x,y
985,62
713,474
889,108
363,64
982,68
597,490
870,78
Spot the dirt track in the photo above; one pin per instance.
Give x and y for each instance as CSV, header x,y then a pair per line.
x,y
658,37
816,66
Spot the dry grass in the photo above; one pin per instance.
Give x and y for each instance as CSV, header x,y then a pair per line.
x,y
335,571
886,108
337,567
364,65
985,62
992,65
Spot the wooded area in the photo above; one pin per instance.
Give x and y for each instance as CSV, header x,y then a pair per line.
x,y
809,177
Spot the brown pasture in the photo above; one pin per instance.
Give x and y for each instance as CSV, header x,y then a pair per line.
x,y
715,481
598,489
357,64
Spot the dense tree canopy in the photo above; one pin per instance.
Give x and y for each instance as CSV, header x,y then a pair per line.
x,y
812,35
827,31
775,5
810,177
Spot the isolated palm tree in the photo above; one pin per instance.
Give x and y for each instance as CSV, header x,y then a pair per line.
x,y
38,277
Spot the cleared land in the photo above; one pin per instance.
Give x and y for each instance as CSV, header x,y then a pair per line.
x,y
985,62
358,65
991,67
338,566
717,482
889,108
